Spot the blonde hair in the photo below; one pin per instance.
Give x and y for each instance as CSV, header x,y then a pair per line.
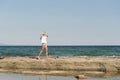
x,y
44,33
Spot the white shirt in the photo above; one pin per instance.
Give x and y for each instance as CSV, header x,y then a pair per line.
x,y
44,39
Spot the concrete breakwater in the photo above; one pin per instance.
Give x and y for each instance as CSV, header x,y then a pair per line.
x,y
60,65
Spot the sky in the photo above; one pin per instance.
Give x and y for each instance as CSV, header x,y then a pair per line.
x,y
67,22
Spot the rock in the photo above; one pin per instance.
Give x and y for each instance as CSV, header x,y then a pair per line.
x,y
110,68
75,64
81,77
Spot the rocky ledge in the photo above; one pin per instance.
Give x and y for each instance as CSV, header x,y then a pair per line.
x,y
60,65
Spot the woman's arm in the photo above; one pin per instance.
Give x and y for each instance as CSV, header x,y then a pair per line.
x,y
40,37
46,34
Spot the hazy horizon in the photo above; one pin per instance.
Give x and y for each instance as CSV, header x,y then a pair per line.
x,y
3,44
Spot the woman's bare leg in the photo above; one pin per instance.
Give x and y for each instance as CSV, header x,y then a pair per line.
x,y
46,51
44,46
41,51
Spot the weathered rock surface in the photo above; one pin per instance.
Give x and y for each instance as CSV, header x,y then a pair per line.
x,y
60,65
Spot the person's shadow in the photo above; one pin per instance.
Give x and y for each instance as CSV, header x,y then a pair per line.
x,y
46,77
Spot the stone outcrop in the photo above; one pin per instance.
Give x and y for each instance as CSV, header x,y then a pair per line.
x,y
60,65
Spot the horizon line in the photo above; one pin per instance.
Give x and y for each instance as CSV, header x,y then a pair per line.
x,y
68,45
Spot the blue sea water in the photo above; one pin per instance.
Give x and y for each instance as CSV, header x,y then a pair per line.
x,y
11,76
61,50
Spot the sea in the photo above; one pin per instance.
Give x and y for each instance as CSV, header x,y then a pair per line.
x,y
12,76
61,50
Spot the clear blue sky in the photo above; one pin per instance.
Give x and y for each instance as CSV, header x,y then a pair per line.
x,y
67,22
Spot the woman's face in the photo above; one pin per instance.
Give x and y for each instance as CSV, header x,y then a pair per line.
x,y
43,34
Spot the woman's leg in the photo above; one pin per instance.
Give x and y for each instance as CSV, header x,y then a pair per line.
x,y
42,49
46,48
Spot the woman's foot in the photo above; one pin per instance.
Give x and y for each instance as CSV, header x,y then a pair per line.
x,y
38,57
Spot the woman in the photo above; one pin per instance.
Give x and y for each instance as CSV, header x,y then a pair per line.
x,y
43,39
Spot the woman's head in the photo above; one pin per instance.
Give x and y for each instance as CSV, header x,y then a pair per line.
x,y
43,33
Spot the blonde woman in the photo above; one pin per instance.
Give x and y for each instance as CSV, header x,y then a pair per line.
x,y
43,39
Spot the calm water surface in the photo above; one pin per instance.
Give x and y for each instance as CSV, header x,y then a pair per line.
x,y
5,76
61,50
8,76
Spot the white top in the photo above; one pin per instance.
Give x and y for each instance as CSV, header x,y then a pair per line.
x,y
44,39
